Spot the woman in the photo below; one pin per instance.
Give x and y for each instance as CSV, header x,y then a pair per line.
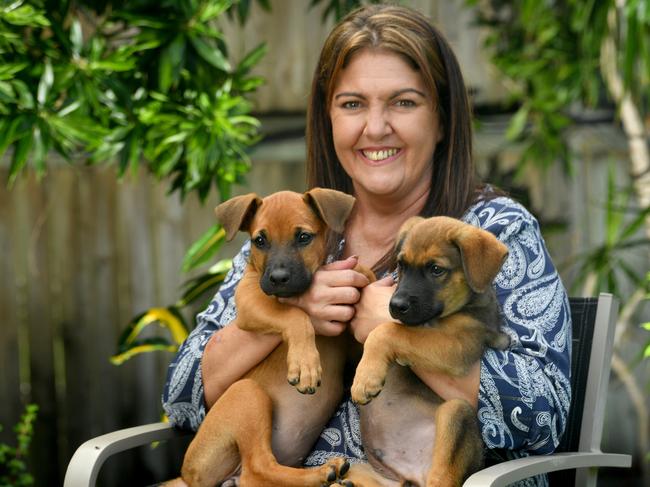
x,y
389,122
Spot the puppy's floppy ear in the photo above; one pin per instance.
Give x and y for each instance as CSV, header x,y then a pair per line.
x,y
332,206
236,213
482,255
404,230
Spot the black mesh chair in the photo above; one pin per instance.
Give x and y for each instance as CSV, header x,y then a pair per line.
x,y
594,320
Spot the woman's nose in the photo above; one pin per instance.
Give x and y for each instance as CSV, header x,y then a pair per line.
x,y
377,123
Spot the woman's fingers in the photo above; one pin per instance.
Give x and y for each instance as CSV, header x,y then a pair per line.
x,y
337,265
330,299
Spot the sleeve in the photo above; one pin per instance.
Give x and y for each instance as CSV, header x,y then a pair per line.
x,y
525,391
182,397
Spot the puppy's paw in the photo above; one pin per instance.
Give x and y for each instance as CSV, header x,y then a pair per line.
x,y
368,382
336,470
304,371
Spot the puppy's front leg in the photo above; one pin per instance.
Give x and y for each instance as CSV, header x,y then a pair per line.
x,y
378,356
450,346
260,313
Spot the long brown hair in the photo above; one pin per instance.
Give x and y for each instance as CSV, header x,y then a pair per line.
x,y
409,34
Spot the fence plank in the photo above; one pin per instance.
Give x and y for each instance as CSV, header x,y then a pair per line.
x,y
9,360
62,256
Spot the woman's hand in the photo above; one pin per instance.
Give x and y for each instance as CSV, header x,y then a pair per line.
x,y
372,308
330,299
448,387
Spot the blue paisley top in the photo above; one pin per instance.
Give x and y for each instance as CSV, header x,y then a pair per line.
x,y
524,391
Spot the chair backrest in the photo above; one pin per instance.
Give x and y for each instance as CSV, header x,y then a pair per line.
x,y
593,322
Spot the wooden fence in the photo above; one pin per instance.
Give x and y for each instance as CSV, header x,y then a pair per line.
x,y
80,255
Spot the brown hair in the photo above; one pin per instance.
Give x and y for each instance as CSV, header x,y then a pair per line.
x,y
409,34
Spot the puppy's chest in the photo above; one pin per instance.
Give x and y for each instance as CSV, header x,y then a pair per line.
x,y
398,426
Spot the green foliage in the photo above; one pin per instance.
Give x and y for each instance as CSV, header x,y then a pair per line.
x,y
609,263
171,317
124,82
550,52
13,467
646,350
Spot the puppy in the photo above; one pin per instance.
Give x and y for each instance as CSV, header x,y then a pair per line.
x,y
446,313
262,422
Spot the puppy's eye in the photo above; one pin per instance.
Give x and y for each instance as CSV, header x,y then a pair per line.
x,y
436,270
303,238
259,241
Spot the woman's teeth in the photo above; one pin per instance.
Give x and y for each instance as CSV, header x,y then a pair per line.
x,y
379,155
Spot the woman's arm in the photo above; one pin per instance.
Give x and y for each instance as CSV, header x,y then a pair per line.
x,y
229,354
525,391
213,356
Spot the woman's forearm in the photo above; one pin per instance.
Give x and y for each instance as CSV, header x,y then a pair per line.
x,y
448,387
229,354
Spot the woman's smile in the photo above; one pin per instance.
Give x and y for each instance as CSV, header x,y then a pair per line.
x,y
381,155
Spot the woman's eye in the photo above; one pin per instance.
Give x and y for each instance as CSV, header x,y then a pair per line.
x,y
351,104
405,103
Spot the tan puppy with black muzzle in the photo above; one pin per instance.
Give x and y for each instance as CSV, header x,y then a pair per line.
x,y
446,314
266,423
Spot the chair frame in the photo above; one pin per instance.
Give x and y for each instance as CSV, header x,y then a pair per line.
x,y
87,461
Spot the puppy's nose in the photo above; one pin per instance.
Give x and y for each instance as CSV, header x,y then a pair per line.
x,y
399,306
279,276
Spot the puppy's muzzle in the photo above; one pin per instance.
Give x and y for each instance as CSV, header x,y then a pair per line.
x,y
285,279
411,311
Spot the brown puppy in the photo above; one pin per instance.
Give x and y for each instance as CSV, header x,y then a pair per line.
x,y
262,423
447,314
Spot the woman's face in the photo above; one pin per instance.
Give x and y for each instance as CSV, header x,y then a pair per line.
x,y
384,125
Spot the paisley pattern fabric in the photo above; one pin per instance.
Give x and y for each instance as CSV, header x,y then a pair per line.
x,y
524,391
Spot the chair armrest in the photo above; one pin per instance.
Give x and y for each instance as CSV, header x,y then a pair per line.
x,y
505,473
86,462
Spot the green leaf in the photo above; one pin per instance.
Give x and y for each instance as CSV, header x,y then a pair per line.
x,y
23,146
208,281
251,59
9,70
613,216
143,346
635,225
25,97
518,123
76,37
41,145
171,62
169,318
210,54
8,129
44,85
212,10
